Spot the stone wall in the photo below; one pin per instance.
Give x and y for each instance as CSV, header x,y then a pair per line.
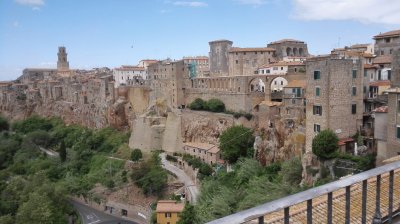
x,y
393,143
335,98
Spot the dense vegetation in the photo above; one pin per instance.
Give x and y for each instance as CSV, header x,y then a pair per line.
x,y
216,105
235,142
34,186
248,185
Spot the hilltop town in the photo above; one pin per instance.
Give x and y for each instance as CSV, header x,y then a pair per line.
x,y
280,91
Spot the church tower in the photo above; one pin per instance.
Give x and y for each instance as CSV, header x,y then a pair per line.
x,y
62,63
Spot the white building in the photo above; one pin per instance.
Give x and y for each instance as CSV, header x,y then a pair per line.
x,y
125,73
282,67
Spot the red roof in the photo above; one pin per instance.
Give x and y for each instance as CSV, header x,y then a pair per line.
x,y
382,109
383,59
345,140
380,83
368,66
388,34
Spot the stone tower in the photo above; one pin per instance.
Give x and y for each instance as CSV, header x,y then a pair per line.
x,y
62,63
219,50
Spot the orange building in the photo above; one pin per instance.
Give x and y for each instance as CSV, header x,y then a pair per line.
x,y
168,211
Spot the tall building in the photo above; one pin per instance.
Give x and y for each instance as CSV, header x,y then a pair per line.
x,y
62,63
334,97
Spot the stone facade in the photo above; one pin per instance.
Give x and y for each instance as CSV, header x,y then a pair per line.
x,y
246,61
289,47
338,104
219,59
207,153
62,63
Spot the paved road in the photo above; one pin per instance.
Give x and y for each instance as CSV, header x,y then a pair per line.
x,y
182,176
49,152
93,216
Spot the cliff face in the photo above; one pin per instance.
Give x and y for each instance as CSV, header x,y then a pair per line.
x,y
279,142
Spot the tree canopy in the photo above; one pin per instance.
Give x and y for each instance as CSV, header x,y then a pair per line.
x,y
325,145
235,142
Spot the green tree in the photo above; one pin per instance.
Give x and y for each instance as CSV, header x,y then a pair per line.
x,y
63,151
4,125
198,104
40,137
325,145
188,215
136,155
292,171
39,209
215,105
235,142
7,219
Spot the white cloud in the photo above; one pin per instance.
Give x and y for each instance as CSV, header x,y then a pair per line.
x,y
251,2
365,11
30,2
15,24
190,4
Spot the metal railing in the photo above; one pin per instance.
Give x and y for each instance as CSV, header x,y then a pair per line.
x,y
258,213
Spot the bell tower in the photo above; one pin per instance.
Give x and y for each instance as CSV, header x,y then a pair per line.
x,y
62,63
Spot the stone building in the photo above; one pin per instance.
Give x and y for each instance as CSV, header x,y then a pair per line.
x,y
198,66
289,47
334,96
207,153
246,61
62,63
387,43
168,211
125,73
294,101
219,58
168,81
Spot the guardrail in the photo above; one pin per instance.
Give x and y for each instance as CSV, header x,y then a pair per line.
x,y
367,178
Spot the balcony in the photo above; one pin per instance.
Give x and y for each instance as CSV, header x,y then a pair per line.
x,y
371,196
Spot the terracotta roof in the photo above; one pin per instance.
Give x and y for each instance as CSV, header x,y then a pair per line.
x,y
130,68
271,103
202,145
296,83
359,45
380,83
251,49
169,206
286,40
383,59
344,140
388,34
196,58
367,55
368,66
382,109
5,83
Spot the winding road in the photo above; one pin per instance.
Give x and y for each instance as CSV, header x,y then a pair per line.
x,y
93,216
182,176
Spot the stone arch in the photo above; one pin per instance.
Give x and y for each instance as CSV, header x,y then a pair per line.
x,y
295,52
288,51
256,85
301,52
277,84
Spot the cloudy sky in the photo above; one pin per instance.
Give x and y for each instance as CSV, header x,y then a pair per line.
x,y
115,32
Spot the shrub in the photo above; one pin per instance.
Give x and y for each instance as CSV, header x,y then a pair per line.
x,y
136,155
4,125
215,105
235,142
198,104
171,158
325,145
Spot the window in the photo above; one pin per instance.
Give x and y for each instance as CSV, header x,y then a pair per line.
x,y
380,74
389,74
168,215
295,69
391,51
237,61
317,128
382,52
365,73
398,132
317,91
281,68
275,83
354,73
281,82
317,75
244,53
317,110
353,108
365,89
354,91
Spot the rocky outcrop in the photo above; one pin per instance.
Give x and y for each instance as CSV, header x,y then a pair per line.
x,y
279,142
